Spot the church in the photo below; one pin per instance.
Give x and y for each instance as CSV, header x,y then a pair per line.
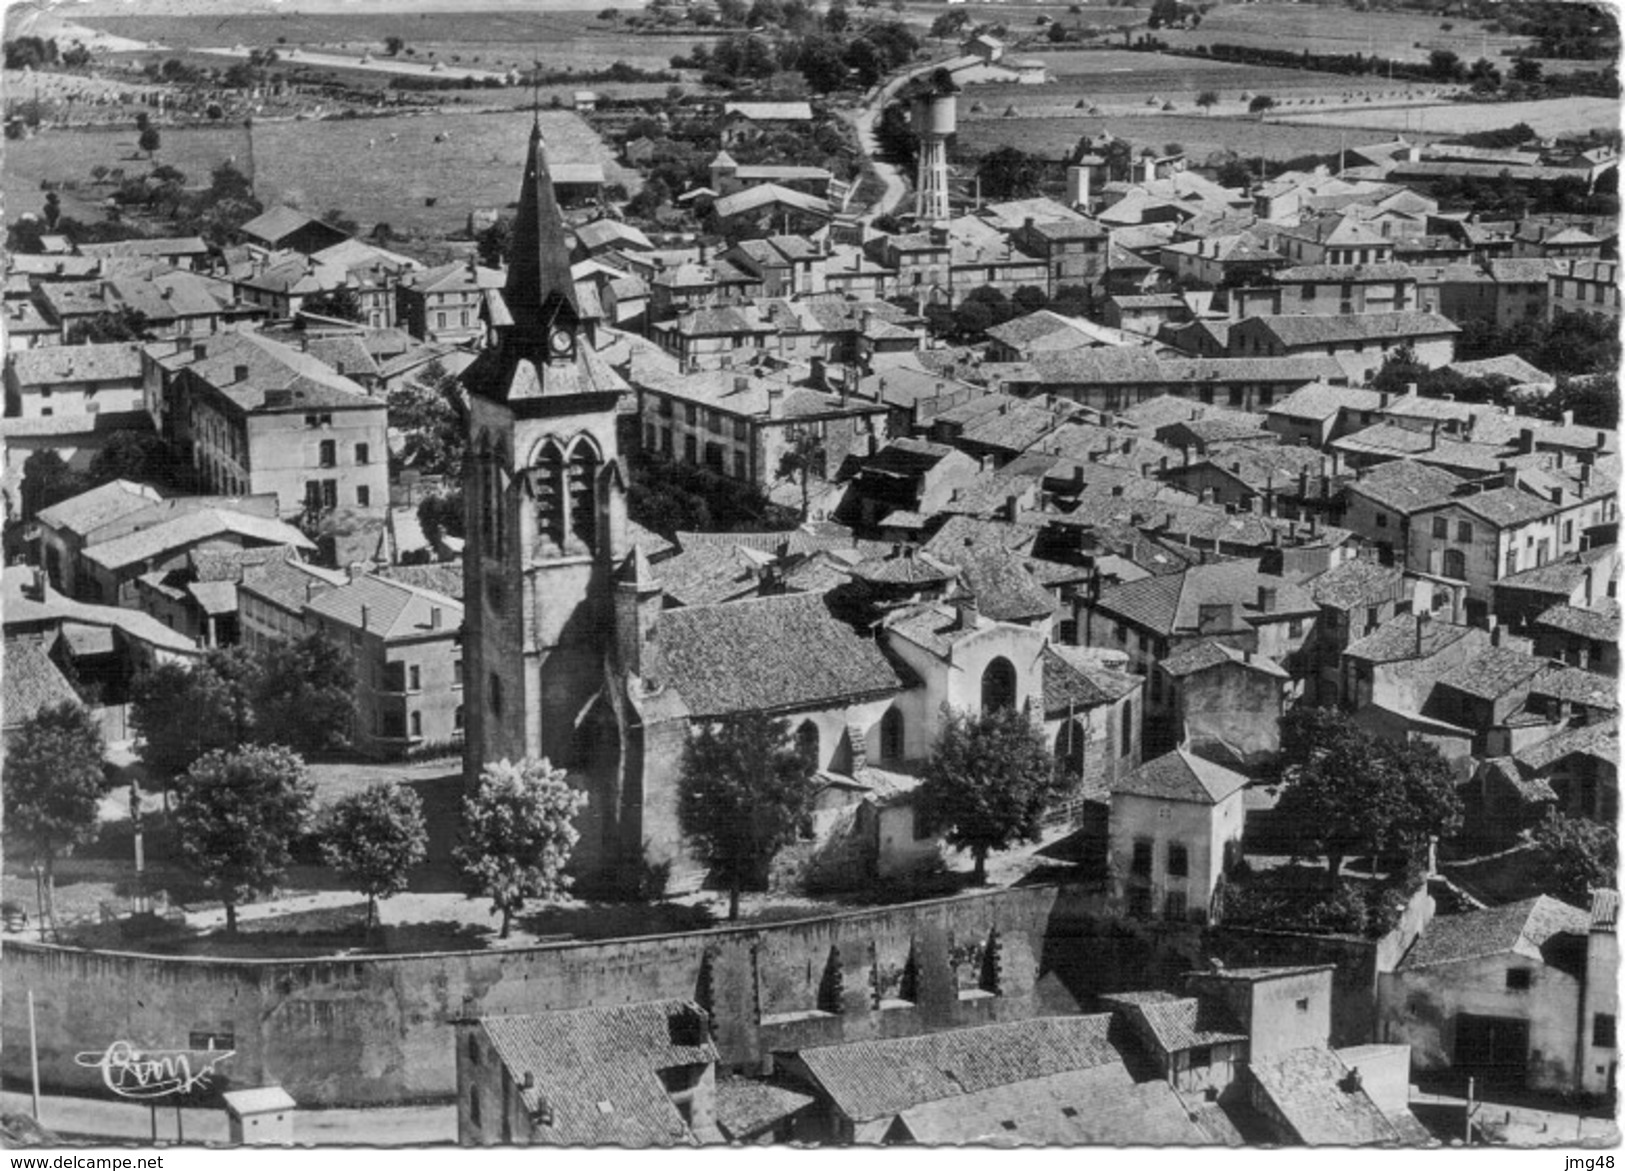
x,y
575,653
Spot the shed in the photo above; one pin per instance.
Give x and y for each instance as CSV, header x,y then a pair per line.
x,y
262,1116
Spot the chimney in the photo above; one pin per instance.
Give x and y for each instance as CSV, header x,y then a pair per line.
x,y
1266,598
1526,441
741,383
434,617
1410,390
366,613
239,373
1557,495
199,352
1589,596
1568,418
1383,399
356,570
1424,621
968,615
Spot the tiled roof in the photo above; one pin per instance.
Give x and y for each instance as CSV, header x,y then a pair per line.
x,y
1188,1023
1405,485
1344,273
704,574
1103,1106
21,610
276,223
771,111
1004,589
1359,582
874,1079
1506,366
746,1106
1321,400
1173,602
1396,639
1207,652
1505,506
390,609
1074,681
1493,672
778,653
188,529
51,365
596,1071
31,681
1599,741
1320,330
1599,621
1561,576
290,584
1181,776
1573,685
444,578
1308,1087
91,510
272,366
904,566
1518,928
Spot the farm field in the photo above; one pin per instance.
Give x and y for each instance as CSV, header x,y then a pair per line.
x,y
1409,36
494,41
1554,116
1200,136
328,164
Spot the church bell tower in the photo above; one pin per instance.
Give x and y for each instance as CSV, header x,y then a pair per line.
x,y
544,494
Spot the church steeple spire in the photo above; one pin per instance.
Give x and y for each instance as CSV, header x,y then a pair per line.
x,y
539,293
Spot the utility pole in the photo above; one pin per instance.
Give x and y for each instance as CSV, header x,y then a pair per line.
x,y
33,1052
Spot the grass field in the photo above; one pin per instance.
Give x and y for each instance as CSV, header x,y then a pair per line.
x,y
1408,36
328,164
484,40
1200,136
1551,117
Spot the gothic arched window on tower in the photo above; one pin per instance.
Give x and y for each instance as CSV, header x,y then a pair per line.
x,y
547,489
583,502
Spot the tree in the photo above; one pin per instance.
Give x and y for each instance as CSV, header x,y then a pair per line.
x,y
302,694
1577,856
988,782
150,140
803,458
337,217
53,780
1207,99
1445,65
1164,12
53,209
1260,104
373,838
947,26
494,242
518,831
1400,369
123,324
133,455
48,480
1010,173
743,794
1526,70
181,714
394,45
142,120
341,303
1353,792
429,414
1027,299
237,817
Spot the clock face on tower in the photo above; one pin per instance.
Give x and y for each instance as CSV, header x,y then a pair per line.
x,y
561,342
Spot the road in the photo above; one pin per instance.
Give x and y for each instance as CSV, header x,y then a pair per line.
x,y
122,1122
863,121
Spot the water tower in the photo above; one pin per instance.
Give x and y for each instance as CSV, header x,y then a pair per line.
x,y
933,107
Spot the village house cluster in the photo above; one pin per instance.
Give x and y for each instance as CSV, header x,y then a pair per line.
x,y
1154,529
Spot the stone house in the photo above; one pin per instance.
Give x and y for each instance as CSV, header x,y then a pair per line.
x,y
1398,666
1359,342
1226,704
73,380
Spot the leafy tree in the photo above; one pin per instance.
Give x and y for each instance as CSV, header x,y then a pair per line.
x,y
947,26
803,458
821,62
1353,792
123,324
836,18
237,817
181,714
150,141
1028,299
1445,65
518,831
1010,173
1527,70
303,694
494,242
48,480
373,838
393,45
337,217
733,12
429,414
341,303
1207,99
1400,369
988,782
53,209
1261,103
142,121
743,794
1164,12
53,780
133,455
1577,855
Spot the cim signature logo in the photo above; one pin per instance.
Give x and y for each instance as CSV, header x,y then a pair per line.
x,y
153,1073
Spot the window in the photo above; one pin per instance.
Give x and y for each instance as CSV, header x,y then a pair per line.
x,y
1602,1030
473,1092
891,735
1294,628
363,454
999,685
1141,863
1455,564
457,672
1382,520
741,470
1179,862
807,741
1518,979
1173,906
1464,532
414,677
329,453
457,719
417,725
1126,734
495,697
473,1050
546,489
1568,532
363,496
583,495
1441,528
690,413
1303,1004
1201,1057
